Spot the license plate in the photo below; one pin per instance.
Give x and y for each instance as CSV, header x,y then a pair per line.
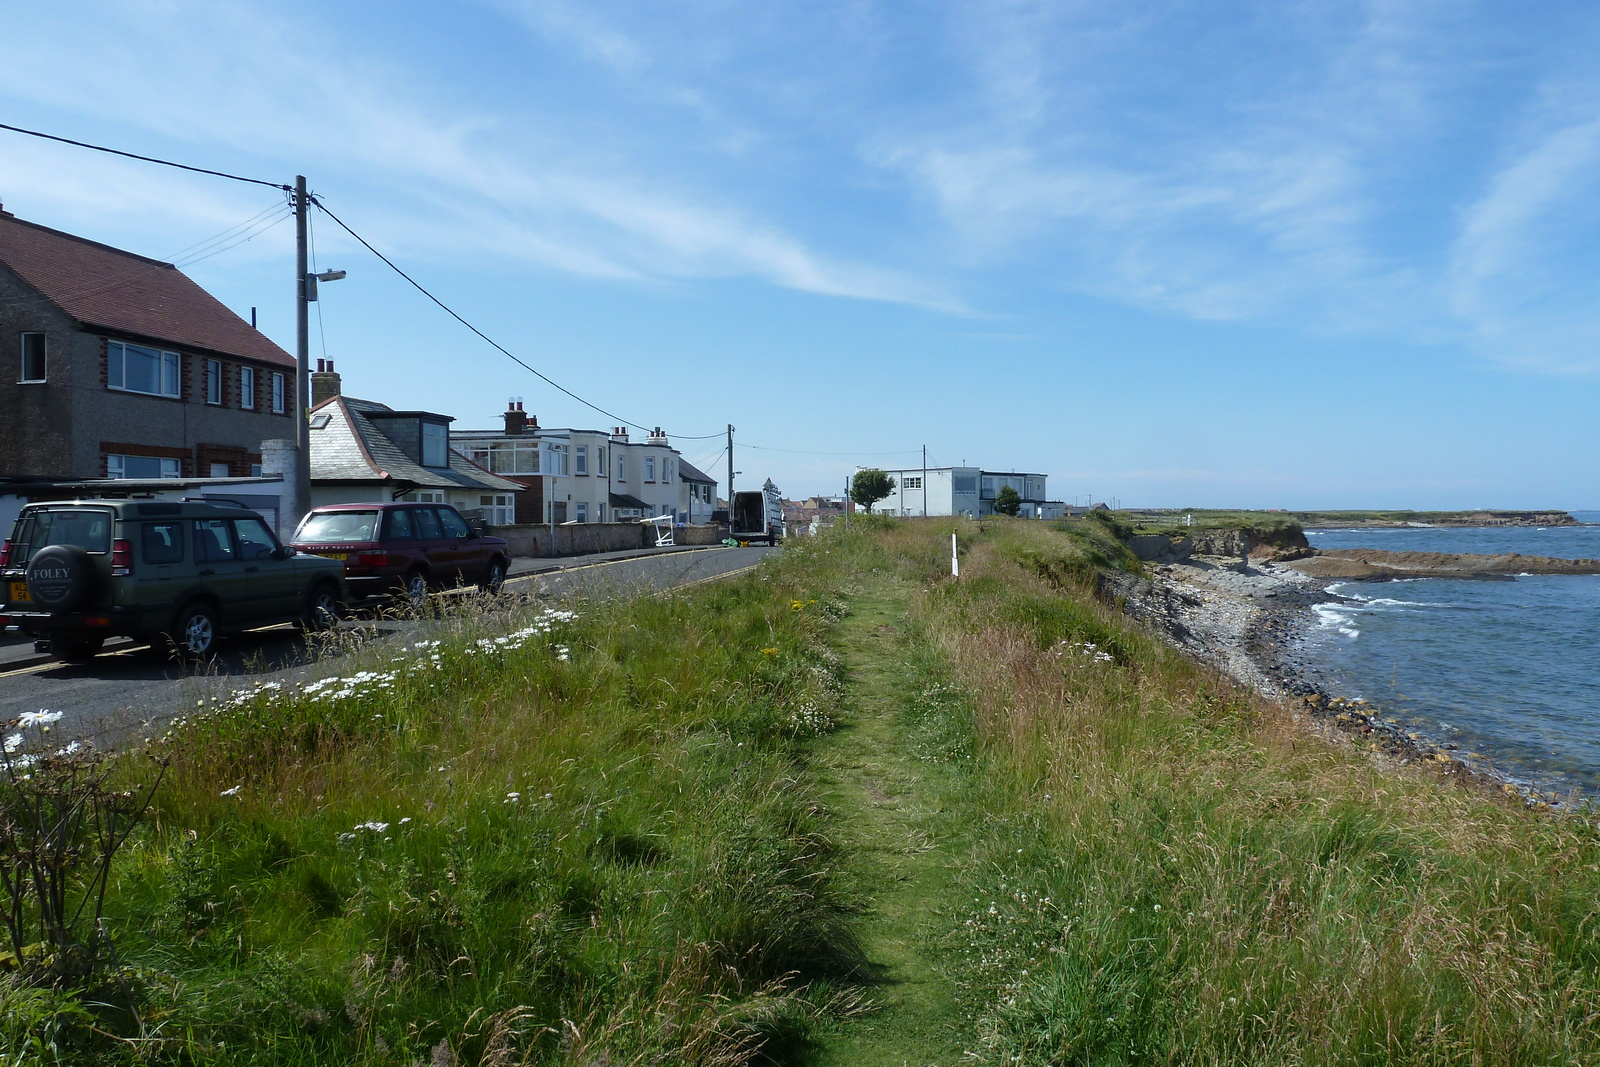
x,y
334,555
19,593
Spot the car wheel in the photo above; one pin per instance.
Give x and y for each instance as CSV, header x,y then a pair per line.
x,y
494,577
196,632
322,610
78,648
414,588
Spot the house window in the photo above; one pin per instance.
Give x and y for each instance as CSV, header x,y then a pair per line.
x,y
247,388
580,460
508,457
142,467
649,468
965,484
913,482
33,358
622,475
219,470
213,381
599,457
435,444
497,509
280,397
555,461
255,470
137,369
600,510
988,488
424,496
582,512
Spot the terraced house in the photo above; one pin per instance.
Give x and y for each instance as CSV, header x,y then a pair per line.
x,y
113,365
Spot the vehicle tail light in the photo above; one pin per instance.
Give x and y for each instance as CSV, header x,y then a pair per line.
x,y
5,553
372,559
97,622
121,557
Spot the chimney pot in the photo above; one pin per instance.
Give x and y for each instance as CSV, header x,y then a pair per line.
x,y
325,383
516,420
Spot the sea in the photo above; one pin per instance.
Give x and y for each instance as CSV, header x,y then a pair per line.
x,y
1506,671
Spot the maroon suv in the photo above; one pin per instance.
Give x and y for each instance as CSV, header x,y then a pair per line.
x,y
403,548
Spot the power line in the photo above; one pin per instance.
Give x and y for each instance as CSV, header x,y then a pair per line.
x,y
250,235
389,262
199,246
418,286
145,159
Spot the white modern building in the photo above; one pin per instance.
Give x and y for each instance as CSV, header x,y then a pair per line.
x,y
964,491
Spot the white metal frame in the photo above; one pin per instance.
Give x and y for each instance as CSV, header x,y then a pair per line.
x,y
664,532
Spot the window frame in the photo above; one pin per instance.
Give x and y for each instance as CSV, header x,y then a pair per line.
x,y
580,461
43,354
247,389
280,393
117,370
650,468
214,382
118,469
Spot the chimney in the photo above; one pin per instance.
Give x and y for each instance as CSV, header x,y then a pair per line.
x,y
325,383
658,436
4,214
516,419
619,434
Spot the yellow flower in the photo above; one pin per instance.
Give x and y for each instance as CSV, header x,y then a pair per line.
x,y
769,652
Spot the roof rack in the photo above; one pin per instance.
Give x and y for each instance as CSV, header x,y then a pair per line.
x,y
219,500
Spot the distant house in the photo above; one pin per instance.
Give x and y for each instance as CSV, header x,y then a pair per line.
x,y
577,475
697,498
113,365
362,450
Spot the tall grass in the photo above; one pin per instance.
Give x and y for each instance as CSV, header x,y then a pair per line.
x,y
586,842
1173,872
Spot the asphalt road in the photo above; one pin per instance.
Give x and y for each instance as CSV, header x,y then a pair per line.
x,y
113,697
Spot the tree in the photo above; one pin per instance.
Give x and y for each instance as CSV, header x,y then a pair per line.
x,y
870,486
1007,501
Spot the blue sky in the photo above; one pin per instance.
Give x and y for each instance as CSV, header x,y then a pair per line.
x,y
1186,254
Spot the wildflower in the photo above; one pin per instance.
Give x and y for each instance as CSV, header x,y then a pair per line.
x,y
375,826
231,792
405,820
512,798
42,717
13,743
343,838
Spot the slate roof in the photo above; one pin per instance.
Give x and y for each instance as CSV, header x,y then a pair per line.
x,y
623,500
349,448
690,473
107,288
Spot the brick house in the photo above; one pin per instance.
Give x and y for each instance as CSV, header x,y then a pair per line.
x,y
113,365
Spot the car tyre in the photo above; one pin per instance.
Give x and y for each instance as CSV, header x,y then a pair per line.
x,y
196,632
494,576
79,648
322,609
414,589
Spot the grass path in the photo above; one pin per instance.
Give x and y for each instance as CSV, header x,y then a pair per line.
x,y
893,815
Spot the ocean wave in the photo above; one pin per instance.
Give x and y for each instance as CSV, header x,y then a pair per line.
x,y
1337,617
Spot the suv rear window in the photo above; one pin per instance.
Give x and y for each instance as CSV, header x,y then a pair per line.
x,y
331,526
88,528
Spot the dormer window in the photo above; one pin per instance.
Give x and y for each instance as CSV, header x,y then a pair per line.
x,y
435,444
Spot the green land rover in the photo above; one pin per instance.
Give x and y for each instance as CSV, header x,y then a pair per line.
x,y
76,572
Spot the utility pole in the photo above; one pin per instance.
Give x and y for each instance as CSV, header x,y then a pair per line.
x,y
847,503
730,475
924,481
302,378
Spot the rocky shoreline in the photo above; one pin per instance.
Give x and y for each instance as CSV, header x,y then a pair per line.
x,y
1249,617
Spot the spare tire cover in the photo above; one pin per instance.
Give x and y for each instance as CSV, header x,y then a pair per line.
x,y
62,578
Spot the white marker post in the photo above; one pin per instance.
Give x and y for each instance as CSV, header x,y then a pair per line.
x,y
955,560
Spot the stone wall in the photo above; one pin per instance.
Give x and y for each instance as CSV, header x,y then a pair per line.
x,y
582,539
